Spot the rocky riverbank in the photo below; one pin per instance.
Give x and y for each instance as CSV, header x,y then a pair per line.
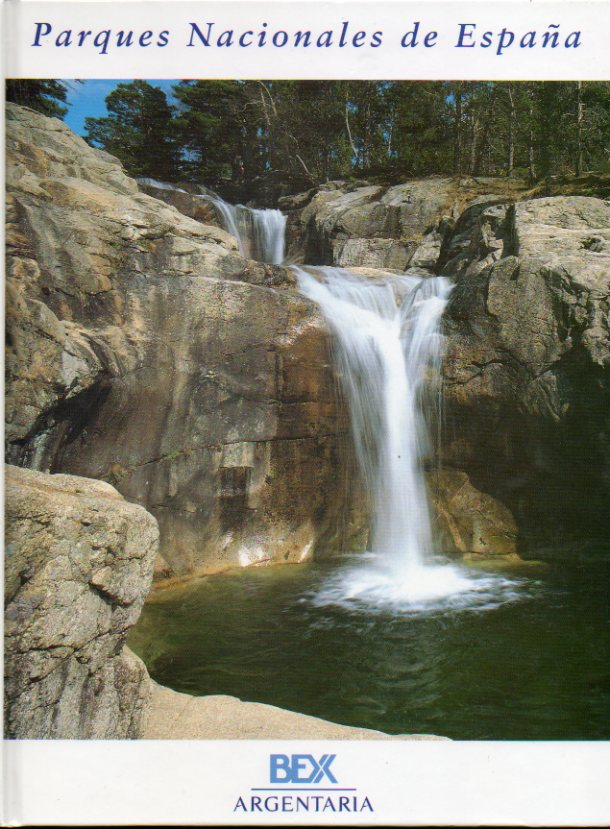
x,y
79,564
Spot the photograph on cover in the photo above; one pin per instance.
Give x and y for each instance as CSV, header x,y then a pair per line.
x,y
358,328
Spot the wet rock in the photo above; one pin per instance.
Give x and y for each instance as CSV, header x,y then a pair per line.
x,y
467,521
191,204
142,349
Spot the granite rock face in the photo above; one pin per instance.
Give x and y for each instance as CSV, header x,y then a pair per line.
x,y
526,383
527,367
370,226
79,563
144,351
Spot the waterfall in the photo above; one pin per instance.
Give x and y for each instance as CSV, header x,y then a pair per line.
x,y
260,233
388,349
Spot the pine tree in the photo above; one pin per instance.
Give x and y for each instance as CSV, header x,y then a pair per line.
x,y
420,129
219,130
306,134
139,130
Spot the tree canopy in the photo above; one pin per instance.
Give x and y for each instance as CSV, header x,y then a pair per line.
x,y
140,129
47,97
261,139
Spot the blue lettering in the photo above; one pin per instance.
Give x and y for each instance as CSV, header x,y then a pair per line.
x,y
64,38
225,38
102,40
324,768
280,769
410,38
302,36
122,40
575,38
256,804
551,37
505,34
464,34
366,803
40,33
299,763
281,35
271,804
528,40
195,30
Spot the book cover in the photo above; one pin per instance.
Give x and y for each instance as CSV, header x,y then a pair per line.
x,y
306,413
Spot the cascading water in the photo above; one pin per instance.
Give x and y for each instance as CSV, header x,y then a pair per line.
x,y
387,342
260,233
388,349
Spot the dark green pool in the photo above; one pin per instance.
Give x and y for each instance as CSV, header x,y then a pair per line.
x,y
527,659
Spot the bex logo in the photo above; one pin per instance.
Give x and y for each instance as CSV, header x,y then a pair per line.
x,y
300,768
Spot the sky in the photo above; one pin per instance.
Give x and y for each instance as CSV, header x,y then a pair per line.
x,y
87,99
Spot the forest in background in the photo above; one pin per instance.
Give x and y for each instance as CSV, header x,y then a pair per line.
x,y
264,139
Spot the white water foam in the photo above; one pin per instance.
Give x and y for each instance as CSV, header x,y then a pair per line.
x,y
160,185
370,586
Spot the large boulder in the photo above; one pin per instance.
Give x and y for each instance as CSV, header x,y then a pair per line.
x,y
527,368
79,563
372,226
145,351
